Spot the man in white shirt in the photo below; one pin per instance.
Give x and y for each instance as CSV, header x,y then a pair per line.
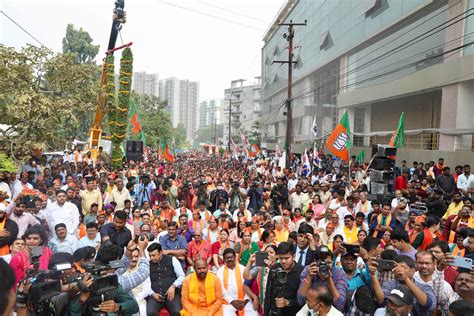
x,y
63,212
237,295
63,242
298,199
120,195
319,302
292,182
5,188
92,238
396,199
466,181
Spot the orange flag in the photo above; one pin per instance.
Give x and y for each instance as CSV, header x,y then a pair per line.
x,y
339,141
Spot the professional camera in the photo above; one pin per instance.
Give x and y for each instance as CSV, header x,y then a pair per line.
x,y
45,284
281,278
103,287
324,269
141,237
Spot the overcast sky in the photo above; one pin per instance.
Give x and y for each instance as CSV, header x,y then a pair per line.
x,y
212,41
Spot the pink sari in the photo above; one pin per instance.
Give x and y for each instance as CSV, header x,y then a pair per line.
x,y
21,262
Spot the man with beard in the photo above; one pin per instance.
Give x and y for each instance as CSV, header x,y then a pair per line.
x,y
399,303
238,297
202,293
22,219
427,274
319,302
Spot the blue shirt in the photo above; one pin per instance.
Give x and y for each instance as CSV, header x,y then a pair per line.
x,y
178,243
358,279
121,238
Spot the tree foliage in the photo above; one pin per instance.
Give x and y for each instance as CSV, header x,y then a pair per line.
x,y
79,43
179,134
156,125
45,99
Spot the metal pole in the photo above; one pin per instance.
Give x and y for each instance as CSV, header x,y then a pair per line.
x,y
230,117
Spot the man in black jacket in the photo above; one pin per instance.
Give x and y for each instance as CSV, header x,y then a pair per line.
x,y
283,283
8,232
166,277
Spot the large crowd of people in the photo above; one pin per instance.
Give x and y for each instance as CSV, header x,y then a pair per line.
x,y
217,235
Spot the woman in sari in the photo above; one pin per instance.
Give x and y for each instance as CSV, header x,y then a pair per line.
x,y
218,248
236,232
34,237
245,247
267,238
429,234
318,208
417,228
260,274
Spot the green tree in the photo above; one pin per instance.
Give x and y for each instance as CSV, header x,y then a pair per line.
x,y
39,91
79,43
157,126
179,134
150,102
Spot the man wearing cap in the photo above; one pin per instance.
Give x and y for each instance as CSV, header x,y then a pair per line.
x,y
335,278
90,195
399,302
404,270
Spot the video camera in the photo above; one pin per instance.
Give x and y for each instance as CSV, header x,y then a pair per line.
x,y
45,284
281,278
104,286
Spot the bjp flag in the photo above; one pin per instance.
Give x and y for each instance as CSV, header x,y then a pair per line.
x,y
339,141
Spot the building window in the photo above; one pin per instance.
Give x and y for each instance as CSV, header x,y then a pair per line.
x,y
359,122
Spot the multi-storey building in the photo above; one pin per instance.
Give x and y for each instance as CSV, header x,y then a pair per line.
x,y
374,59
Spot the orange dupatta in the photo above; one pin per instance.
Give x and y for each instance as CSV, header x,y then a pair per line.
x,y
238,280
5,250
458,252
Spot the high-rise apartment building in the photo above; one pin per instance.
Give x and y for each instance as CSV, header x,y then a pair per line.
x,y
183,98
210,113
143,83
245,107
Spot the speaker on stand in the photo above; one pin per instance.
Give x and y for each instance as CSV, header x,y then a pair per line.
x,y
134,150
382,169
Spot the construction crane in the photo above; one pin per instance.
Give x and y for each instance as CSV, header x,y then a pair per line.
x,y
95,132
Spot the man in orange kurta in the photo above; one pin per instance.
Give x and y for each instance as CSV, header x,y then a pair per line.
x,y
201,293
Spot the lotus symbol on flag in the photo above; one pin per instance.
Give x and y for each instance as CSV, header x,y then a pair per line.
x,y
340,141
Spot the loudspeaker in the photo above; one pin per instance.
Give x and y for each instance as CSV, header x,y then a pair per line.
x,y
380,175
134,150
382,163
378,188
384,150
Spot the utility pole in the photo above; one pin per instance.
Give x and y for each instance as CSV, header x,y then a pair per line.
x,y
230,109
289,114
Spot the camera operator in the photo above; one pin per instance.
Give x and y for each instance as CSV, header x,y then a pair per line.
x,y
283,283
122,303
166,278
323,271
280,193
219,195
236,196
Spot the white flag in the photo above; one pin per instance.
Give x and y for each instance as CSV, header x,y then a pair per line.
x,y
314,128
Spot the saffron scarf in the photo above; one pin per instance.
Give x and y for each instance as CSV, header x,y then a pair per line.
x,y
388,220
238,280
458,252
194,289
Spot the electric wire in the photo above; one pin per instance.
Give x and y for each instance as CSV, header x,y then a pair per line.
x,y
24,30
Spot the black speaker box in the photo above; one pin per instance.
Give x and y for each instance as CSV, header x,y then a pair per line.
x,y
134,150
382,163
384,150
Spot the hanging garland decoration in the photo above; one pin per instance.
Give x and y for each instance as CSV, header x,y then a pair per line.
x,y
111,98
120,122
